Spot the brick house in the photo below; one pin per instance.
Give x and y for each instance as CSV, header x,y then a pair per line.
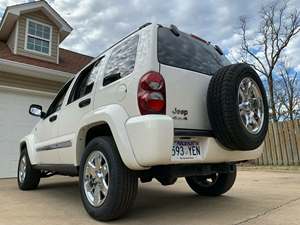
x,y
32,69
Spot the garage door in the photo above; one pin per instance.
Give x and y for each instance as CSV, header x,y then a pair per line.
x,y
15,123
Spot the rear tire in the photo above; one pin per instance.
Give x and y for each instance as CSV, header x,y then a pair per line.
x,y
107,187
28,178
212,185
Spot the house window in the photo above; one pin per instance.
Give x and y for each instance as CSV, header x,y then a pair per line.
x,y
38,37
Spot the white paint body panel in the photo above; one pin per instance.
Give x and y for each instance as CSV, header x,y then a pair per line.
x,y
186,91
46,133
115,116
152,138
142,141
68,126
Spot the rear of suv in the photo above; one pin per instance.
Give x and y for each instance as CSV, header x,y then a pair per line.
x,y
160,104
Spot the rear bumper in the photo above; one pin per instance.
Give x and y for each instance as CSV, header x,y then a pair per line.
x,y
152,136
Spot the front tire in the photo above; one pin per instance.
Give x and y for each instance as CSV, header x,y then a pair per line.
x,y
107,187
28,178
212,185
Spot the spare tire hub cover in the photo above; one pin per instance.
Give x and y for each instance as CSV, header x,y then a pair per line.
x,y
251,107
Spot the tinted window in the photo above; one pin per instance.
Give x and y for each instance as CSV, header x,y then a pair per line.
x,y
59,103
85,81
59,99
187,52
122,60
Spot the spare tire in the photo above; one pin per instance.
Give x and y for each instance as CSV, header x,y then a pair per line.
x,y
237,107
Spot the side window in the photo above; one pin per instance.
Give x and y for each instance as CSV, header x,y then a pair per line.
x,y
85,81
59,103
122,60
59,99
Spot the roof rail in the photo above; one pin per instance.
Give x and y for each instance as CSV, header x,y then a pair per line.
x,y
122,39
174,30
144,25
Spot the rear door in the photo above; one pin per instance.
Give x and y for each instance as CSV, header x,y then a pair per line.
x,y
187,64
79,103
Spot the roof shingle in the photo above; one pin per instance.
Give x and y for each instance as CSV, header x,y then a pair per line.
x,y
70,62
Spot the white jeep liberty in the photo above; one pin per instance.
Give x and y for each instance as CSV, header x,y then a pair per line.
x,y
160,104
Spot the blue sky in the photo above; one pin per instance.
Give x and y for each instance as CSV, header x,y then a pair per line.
x,y
99,23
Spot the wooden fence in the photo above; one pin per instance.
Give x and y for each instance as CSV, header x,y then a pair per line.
x,y
282,144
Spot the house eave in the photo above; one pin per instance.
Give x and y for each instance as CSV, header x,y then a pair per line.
x,y
12,13
24,69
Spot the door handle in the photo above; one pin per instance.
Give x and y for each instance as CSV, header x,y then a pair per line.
x,y
84,103
53,118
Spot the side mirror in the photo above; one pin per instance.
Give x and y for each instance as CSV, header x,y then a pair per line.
x,y
36,110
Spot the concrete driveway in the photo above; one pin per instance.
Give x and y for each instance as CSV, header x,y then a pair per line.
x,y
258,197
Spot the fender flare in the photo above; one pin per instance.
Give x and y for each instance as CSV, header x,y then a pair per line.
x,y
115,116
29,142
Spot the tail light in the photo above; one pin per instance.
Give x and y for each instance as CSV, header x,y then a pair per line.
x,y
152,94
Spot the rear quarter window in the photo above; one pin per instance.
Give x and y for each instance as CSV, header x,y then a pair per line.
x,y
122,59
188,53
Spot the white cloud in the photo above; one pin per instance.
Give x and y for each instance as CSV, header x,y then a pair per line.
x,y
98,24
4,3
292,51
297,68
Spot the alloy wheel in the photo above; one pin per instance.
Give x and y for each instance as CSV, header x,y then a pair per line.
x,y
96,178
251,107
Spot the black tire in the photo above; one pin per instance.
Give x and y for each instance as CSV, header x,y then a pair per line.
x,y
223,108
32,176
122,182
222,183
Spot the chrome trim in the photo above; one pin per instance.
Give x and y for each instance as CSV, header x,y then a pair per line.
x,y
22,169
64,144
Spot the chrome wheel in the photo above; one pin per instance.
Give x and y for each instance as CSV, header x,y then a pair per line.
x,y
251,107
96,175
22,169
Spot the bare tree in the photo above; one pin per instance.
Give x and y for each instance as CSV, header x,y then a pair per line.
x,y
287,93
278,25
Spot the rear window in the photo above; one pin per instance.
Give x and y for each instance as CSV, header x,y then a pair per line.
x,y
187,52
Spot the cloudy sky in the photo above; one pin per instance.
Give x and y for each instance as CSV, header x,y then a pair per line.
x,y
99,23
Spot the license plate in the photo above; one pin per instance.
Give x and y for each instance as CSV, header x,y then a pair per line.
x,y
185,150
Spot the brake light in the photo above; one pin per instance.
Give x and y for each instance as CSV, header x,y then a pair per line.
x,y
199,38
152,94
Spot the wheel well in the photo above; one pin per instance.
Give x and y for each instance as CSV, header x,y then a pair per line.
x,y
86,134
23,146
96,131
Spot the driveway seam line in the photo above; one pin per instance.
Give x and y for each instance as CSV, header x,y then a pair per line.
x,y
267,211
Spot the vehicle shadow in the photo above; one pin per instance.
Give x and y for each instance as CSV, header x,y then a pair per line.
x,y
168,205
64,188
155,204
